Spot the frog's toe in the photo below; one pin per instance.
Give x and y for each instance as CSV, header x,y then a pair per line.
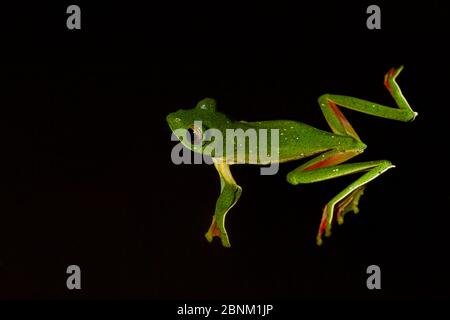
x,y
214,231
350,203
324,227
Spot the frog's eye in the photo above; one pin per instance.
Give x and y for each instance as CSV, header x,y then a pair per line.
x,y
207,104
194,134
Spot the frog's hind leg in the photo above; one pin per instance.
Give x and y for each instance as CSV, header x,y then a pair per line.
x,y
339,124
328,167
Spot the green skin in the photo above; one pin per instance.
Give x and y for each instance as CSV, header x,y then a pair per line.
x,y
330,149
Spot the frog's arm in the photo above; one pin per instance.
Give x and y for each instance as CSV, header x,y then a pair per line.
x,y
230,193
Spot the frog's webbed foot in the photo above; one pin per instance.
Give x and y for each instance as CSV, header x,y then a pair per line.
x,y
350,203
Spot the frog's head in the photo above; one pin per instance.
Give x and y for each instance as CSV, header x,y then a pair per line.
x,y
189,126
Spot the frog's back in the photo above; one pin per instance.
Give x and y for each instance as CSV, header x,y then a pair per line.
x,y
298,140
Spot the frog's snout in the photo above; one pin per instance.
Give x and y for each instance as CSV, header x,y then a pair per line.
x,y
175,119
172,118
169,118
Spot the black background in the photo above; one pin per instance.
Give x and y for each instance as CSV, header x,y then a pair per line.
x,y
87,179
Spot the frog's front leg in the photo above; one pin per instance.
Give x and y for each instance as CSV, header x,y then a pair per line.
x,y
230,193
